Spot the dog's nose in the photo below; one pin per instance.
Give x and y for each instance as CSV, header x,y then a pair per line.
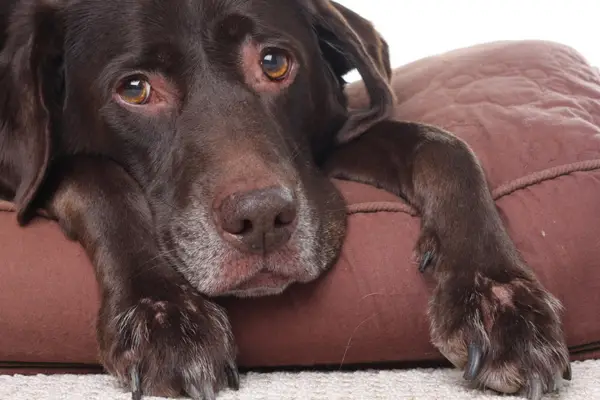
x,y
258,221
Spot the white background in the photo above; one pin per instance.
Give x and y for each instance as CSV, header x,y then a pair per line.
x,y
418,28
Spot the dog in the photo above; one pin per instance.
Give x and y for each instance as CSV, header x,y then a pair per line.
x,y
189,146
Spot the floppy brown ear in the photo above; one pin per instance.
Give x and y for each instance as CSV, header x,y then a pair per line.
x,y
351,42
374,43
32,62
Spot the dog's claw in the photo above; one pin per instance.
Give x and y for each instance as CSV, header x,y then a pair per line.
x,y
233,377
209,393
473,362
555,385
568,374
535,389
425,261
136,387
193,392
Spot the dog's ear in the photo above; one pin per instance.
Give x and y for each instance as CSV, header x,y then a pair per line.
x,y
350,42
31,85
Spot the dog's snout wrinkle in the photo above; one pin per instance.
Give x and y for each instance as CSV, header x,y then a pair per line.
x,y
260,220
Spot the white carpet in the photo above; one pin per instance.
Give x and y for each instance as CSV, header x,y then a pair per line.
x,y
440,384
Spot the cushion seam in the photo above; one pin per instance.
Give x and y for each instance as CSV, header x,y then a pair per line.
x,y
501,191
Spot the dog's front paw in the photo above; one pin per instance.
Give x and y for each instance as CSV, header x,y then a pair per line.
x,y
503,329
169,345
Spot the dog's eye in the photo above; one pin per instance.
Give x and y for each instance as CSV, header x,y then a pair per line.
x,y
275,64
135,90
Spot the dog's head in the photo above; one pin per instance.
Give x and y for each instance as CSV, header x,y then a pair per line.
x,y
221,110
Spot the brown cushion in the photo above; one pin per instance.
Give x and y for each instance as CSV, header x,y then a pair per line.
x,y
530,110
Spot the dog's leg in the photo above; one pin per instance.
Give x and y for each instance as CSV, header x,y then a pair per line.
x,y
489,314
156,333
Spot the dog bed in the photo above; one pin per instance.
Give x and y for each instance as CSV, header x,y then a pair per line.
x,y
531,112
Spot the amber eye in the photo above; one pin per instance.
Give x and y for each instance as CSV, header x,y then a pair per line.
x,y
275,64
135,90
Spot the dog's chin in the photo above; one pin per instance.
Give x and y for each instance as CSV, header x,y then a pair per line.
x,y
235,274
261,284
266,281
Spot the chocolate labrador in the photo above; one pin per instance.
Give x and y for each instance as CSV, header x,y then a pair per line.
x,y
188,145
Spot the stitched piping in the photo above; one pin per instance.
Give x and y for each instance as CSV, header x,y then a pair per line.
x,y
381,206
547,174
7,206
392,206
501,191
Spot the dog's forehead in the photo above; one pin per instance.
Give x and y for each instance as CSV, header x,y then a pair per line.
x,y
100,30
180,16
